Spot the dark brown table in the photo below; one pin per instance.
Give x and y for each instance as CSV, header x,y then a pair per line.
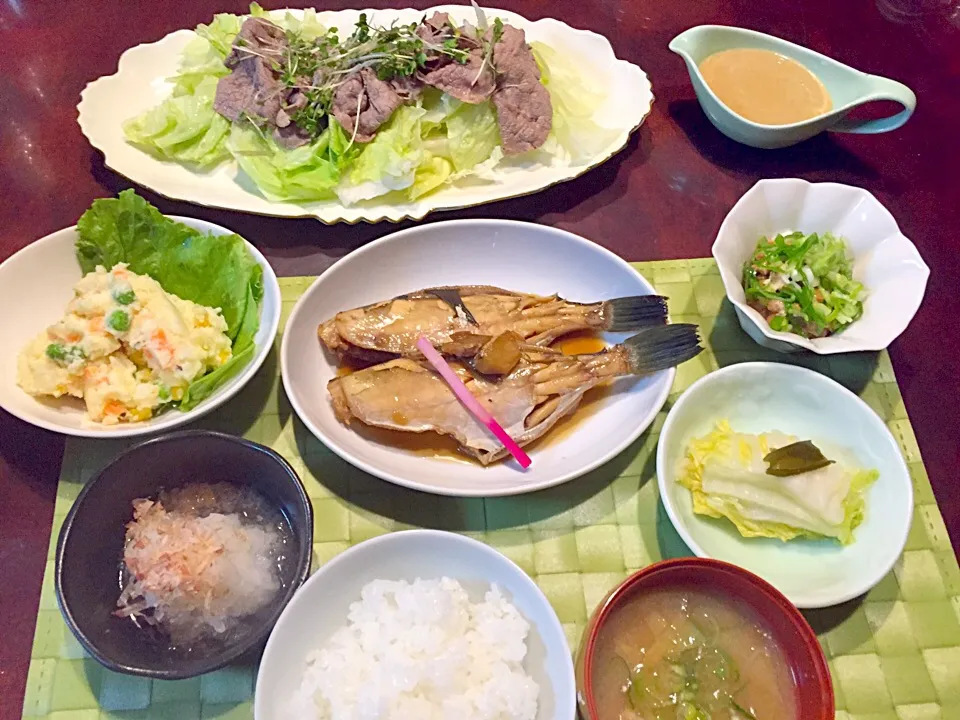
x,y
662,197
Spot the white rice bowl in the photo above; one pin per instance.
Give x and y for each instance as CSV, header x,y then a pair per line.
x,y
499,641
422,651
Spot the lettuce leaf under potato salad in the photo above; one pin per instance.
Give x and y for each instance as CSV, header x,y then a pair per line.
x,y
727,476
422,148
215,271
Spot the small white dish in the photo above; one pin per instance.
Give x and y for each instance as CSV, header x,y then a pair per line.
x,y
503,253
885,261
39,280
320,608
760,397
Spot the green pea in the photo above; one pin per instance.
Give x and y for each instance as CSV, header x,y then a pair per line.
x,y
56,351
125,298
119,321
163,393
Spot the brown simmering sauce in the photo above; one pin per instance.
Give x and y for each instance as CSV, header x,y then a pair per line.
x,y
765,87
580,343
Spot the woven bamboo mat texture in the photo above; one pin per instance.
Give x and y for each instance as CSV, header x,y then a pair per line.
x,y
894,655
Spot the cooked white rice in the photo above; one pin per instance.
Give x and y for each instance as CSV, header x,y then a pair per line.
x,y
422,651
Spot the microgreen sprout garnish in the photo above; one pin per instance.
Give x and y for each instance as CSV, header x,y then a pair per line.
x,y
316,68
488,45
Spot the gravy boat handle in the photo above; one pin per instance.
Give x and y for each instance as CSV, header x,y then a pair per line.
x,y
881,88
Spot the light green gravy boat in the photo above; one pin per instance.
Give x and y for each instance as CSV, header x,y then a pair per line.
x,y
848,89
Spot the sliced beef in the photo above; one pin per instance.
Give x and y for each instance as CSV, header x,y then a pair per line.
x,y
408,88
257,36
253,87
375,99
295,102
287,133
524,111
290,136
466,82
433,29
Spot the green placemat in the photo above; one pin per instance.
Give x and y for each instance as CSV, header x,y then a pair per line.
x,y
894,655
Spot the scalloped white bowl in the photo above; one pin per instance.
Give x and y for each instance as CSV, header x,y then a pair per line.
x,y
141,82
885,261
36,284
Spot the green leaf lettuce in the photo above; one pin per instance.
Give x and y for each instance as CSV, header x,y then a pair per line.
x,y
210,270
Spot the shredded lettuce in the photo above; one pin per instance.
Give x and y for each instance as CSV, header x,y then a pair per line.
x,y
726,476
574,103
215,271
221,32
472,134
184,128
306,173
433,172
388,162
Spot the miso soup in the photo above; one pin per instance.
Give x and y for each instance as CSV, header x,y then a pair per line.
x,y
683,654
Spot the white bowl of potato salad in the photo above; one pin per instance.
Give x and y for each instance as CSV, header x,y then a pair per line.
x,y
132,322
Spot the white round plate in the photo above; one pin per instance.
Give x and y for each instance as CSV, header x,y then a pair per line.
x,y
141,82
760,397
35,286
508,254
320,608
884,259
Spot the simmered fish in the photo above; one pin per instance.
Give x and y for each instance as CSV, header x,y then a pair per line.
x,y
546,385
458,321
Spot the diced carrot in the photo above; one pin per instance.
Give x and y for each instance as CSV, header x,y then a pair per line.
x,y
114,407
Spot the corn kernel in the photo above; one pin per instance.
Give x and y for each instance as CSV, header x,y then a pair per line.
x,y
176,393
140,414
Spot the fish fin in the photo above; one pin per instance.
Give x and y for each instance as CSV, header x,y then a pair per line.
x,y
451,296
635,312
658,348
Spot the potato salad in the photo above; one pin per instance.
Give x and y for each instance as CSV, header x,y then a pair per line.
x,y
125,346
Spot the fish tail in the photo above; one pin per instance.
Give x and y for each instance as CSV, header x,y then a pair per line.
x,y
658,348
635,312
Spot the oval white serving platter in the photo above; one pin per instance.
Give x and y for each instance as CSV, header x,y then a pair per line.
x,y
141,82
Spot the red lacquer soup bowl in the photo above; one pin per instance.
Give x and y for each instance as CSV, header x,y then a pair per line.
x,y
812,687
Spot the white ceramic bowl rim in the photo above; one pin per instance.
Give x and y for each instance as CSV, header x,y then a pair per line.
x,y
167,421
830,385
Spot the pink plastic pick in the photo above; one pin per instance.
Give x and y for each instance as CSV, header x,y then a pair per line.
x,y
471,402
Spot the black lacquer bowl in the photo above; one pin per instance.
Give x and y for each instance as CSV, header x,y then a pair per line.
x,y
90,550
